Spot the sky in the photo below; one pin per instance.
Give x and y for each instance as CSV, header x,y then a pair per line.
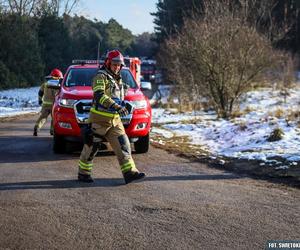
x,y
244,137
131,14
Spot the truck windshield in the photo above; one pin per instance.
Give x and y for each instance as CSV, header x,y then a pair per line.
x,y
84,77
147,67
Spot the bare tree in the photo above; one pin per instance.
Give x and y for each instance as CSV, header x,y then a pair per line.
x,y
20,7
63,6
283,78
69,5
274,18
35,7
219,57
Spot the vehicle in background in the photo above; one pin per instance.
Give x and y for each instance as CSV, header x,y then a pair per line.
x,y
134,64
73,102
148,70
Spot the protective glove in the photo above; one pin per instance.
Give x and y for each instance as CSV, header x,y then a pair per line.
x,y
122,111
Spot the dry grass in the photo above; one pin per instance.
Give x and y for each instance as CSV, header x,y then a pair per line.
x,y
279,113
236,114
248,110
194,120
293,115
178,144
183,107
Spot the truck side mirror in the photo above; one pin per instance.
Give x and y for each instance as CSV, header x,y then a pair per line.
x,y
53,84
146,86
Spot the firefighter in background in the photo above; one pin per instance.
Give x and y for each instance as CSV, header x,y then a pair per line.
x,y
46,98
105,121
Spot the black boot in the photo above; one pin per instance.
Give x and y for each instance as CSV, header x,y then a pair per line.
x,y
85,178
34,132
131,176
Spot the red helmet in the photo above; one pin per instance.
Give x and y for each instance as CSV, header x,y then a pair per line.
x,y
56,73
114,56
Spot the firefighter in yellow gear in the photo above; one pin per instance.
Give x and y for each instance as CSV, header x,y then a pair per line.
x,y
105,121
46,98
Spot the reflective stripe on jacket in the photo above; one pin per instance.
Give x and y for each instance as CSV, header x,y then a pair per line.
x,y
105,87
47,94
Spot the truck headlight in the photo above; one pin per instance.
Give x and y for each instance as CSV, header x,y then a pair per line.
x,y
142,104
67,103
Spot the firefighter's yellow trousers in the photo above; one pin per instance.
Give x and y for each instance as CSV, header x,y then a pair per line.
x,y
114,133
44,113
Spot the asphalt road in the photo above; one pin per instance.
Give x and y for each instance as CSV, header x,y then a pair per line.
x,y
181,205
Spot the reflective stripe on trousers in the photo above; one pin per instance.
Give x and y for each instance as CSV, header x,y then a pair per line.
x,y
119,142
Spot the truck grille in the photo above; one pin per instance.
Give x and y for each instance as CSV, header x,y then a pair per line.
x,y
82,109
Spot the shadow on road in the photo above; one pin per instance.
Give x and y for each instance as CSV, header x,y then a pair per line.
x,y
15,149
105,182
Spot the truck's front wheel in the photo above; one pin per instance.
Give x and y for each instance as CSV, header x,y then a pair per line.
x,y
142,144
58,144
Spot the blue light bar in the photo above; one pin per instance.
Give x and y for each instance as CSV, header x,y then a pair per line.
x,y
80,61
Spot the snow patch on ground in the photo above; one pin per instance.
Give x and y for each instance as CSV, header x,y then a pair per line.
x,y
19,101
244,137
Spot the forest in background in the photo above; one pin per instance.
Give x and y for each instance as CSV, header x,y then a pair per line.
x,y
279,20
39,35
